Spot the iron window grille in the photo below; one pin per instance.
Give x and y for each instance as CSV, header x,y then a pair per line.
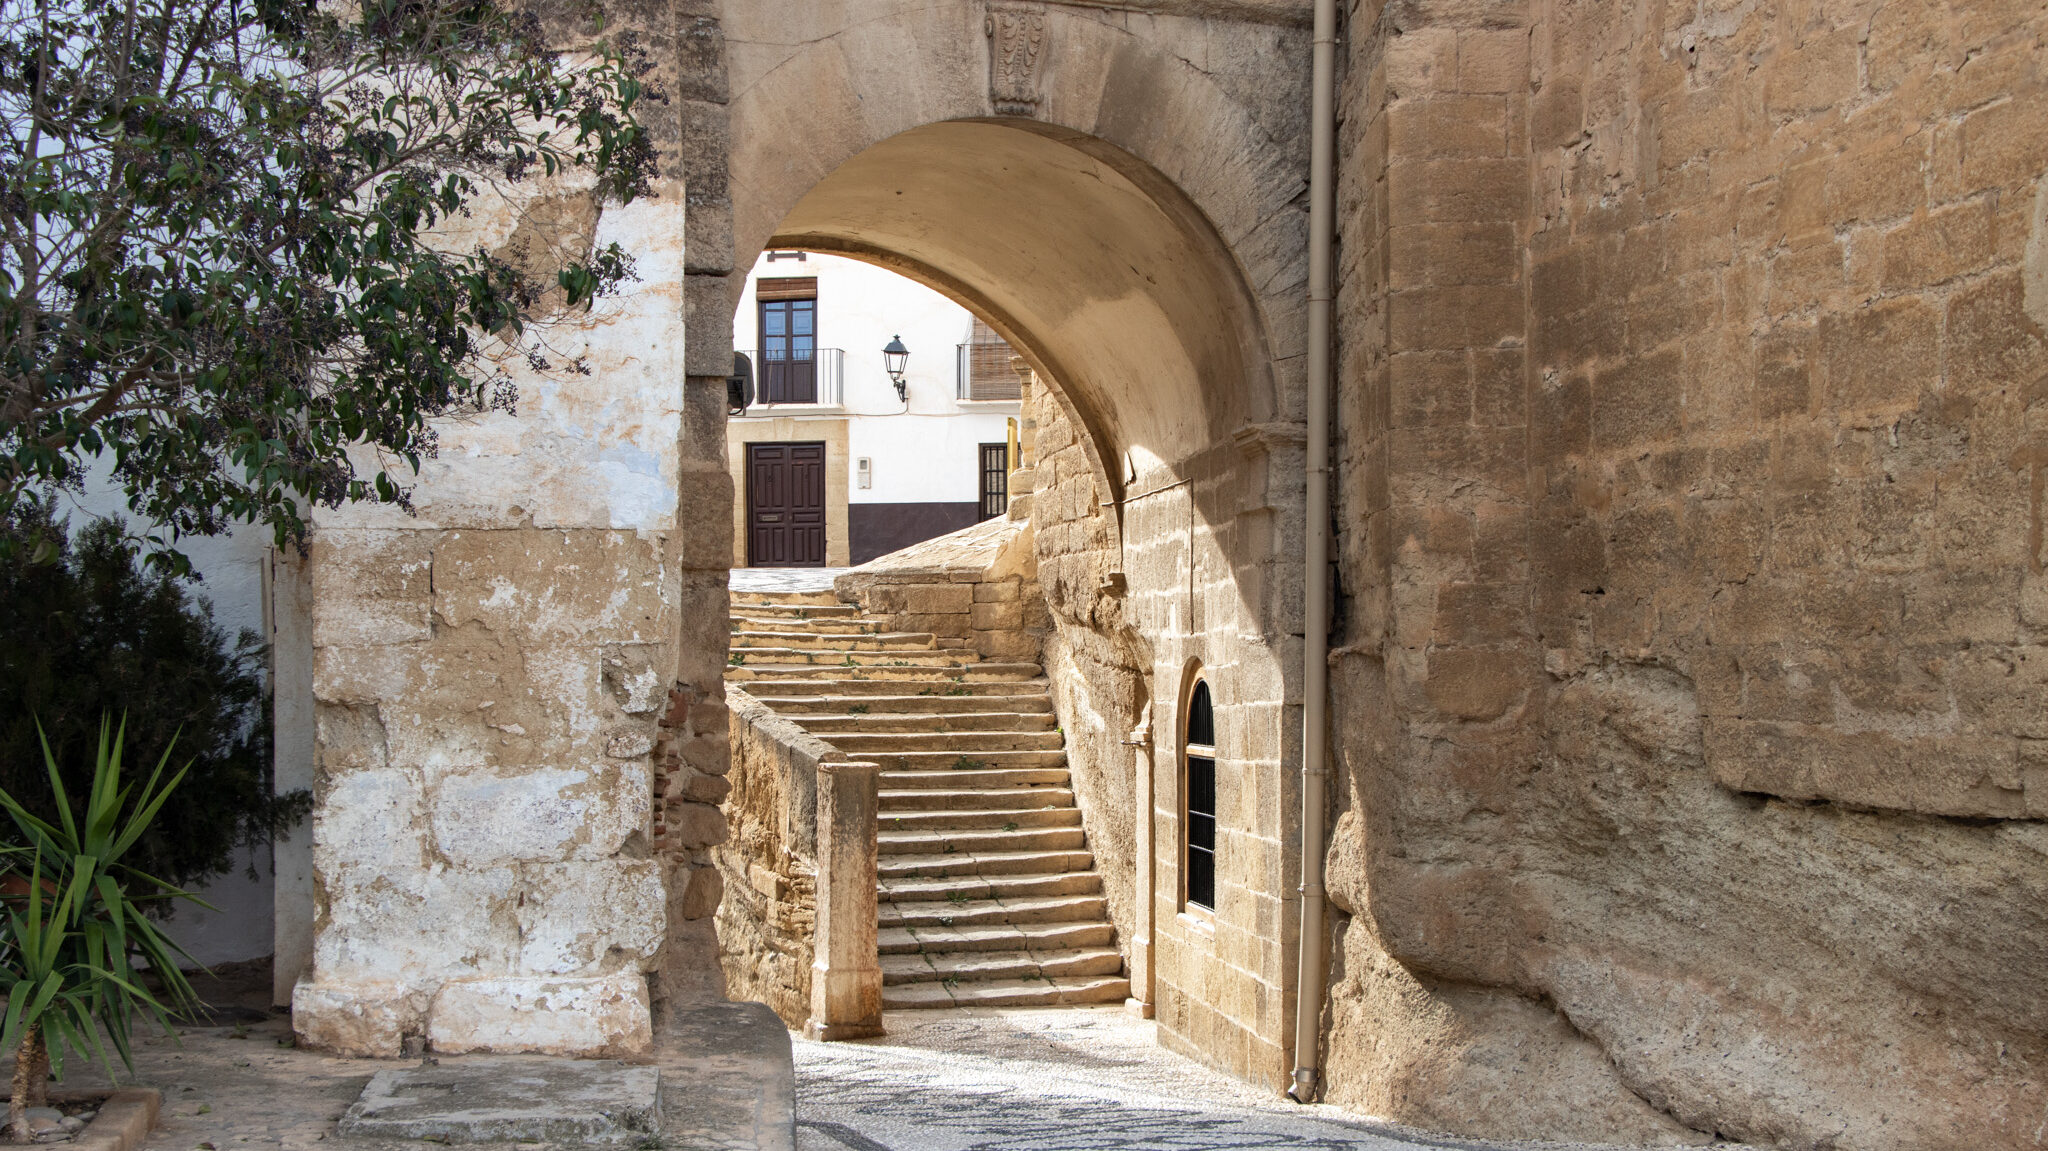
x,y
1199,811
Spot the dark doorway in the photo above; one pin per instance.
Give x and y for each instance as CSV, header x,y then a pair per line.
x,y
786,505
995,480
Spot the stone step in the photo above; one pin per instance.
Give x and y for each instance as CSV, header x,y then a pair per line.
x,y
886,641
999,820
883,746
1009,798
1028,700
1003,777
950,842
980,912
1004,887
845,656
789,599
959,863
943,679
909,723
994,937
811,619
943,689
1007,993
963,966
986,891
949,760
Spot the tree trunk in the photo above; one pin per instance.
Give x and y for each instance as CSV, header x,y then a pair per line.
x,y
31,1082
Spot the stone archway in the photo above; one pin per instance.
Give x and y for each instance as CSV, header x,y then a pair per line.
x,y
1131,224
517,695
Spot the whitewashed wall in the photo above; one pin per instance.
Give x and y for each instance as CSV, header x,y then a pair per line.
x,y
925,454
231,570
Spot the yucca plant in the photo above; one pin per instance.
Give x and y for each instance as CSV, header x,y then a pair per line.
x,y
76,942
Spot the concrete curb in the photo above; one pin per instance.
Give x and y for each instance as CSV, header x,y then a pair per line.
x,y
124,1119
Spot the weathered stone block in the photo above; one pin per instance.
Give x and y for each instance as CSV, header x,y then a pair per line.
x,y
602,1016
1441,127
560,932
395,926
370,587
507,814
1454,316
1000,592
705,789
1476,683
695,825
1880,356
548,586
370,819
554,1102
701,898
996,616
366,1019
937,599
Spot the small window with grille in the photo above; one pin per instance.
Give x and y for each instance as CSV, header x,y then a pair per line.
x,y
1198,756
995,481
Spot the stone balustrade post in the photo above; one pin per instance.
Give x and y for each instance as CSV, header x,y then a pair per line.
x,y
846,973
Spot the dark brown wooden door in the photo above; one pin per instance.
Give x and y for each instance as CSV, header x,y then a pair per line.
x,y
786,505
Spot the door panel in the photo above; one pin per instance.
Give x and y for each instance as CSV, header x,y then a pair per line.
x,y
786,505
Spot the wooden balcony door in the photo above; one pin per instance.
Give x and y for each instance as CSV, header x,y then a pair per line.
x,y
789,350
786,505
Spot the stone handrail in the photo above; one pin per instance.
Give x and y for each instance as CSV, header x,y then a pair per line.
x,y
798,923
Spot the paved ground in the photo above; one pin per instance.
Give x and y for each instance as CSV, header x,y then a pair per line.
x,y
1051,1079
785,579
982,1079
725,1082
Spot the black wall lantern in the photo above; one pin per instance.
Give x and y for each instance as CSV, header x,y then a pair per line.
x,y
894,357
739,387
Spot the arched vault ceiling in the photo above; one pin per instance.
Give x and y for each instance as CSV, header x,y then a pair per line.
x,y
1097,269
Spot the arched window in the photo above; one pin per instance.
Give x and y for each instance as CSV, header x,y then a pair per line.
x,y
1198,756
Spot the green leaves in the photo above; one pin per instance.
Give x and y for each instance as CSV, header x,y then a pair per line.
x,y
76,940
220,224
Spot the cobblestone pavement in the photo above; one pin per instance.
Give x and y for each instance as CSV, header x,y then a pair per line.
x,y
1053,1079
785,579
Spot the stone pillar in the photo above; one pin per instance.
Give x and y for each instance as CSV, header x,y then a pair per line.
x,y
1140,743
846,975
1023,475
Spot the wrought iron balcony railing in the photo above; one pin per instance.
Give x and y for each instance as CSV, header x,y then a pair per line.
x,y
813,377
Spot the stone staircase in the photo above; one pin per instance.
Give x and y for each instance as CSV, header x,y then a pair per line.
x,y
988,894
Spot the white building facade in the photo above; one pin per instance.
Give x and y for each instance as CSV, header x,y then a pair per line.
x,y
833,465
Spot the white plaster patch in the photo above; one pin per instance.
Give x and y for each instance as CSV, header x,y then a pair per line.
x,y
604,1015
579,918
495,817
369,819
416,927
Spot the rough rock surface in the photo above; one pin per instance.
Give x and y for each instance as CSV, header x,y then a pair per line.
x,y
1689,547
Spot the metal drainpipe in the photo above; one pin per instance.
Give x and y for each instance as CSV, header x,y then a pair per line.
x,y
1308,986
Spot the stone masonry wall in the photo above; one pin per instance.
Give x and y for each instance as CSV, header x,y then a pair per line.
x,y
1196,574
1094,660
766,923
973,588
490,674
1687,701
